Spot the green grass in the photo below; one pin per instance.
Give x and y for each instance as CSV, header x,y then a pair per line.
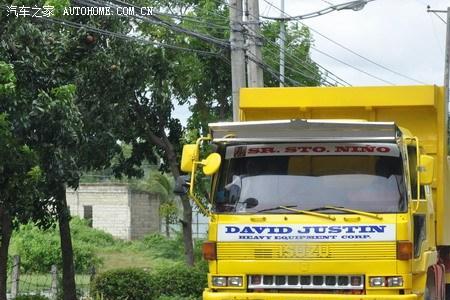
x,y
130,257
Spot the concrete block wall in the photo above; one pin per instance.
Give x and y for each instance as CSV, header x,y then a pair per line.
x,y
116,209
145,214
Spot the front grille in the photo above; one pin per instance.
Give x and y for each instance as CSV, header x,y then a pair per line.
x,y
307,282
307,251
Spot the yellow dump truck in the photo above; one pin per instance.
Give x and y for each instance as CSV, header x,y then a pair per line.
x,y
327,193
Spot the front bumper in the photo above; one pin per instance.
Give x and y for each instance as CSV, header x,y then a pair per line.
x,y
209,295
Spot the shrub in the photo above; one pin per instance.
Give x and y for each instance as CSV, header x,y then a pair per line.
x,y
40,249
180,280
123,284
167,283
170,248
81,232
30,297
164,297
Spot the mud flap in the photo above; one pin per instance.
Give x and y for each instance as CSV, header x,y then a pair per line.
x,y
439,276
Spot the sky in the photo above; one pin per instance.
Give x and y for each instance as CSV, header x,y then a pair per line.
x,y
397,34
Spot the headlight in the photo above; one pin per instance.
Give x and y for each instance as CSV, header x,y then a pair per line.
x,y
223,281
377,281
390,281
219,281
395,281
235,281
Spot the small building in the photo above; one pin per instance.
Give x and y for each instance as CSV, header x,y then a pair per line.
x,y
116,209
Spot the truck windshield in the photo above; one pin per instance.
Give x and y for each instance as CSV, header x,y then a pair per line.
x,y
260,178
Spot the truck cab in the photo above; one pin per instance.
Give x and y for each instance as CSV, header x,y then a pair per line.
x,y
321,208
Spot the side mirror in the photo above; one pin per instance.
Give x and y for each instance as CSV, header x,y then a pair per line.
x,y
211,164
190,154
181,185
426,169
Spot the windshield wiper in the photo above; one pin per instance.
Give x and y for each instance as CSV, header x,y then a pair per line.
x,y
354,211
276,208
306,212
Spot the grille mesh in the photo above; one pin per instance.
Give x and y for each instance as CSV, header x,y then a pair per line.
x,y
310,251
307,282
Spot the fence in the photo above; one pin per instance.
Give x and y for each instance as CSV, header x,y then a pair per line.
x,y
46,284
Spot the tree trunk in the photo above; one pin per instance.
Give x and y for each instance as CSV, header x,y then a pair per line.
x,y
167,227
6,230
187,208
187,231
68,270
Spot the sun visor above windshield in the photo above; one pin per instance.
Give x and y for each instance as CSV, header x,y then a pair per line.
x,y
378,149
304,131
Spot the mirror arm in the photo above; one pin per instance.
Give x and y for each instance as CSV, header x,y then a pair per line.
x,y
418,173
194,169
191,191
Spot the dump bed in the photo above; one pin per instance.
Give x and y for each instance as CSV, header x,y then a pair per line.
x,y
421,109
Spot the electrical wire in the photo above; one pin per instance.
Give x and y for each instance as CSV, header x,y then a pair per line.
x,y
302,61
219,41
295,58
126,37
353,67
276,75
302,73
124,3
156,21
353,52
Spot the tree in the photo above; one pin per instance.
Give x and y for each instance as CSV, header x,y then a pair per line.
x,y
64,107
20,179
168,209
299,65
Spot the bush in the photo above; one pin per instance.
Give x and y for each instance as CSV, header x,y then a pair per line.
x,y
123,284
30,297
40,249
164,297
82,233
169,248
168,283
180,281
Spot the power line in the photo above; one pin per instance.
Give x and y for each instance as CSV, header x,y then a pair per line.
x,y
126,37
175,27
353,52
306,64
272,72
156,21
296,58
353,67
170,25
303,74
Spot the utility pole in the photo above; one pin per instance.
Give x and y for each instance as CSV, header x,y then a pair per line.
x,y
282,43
254,71
237,54
447,61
